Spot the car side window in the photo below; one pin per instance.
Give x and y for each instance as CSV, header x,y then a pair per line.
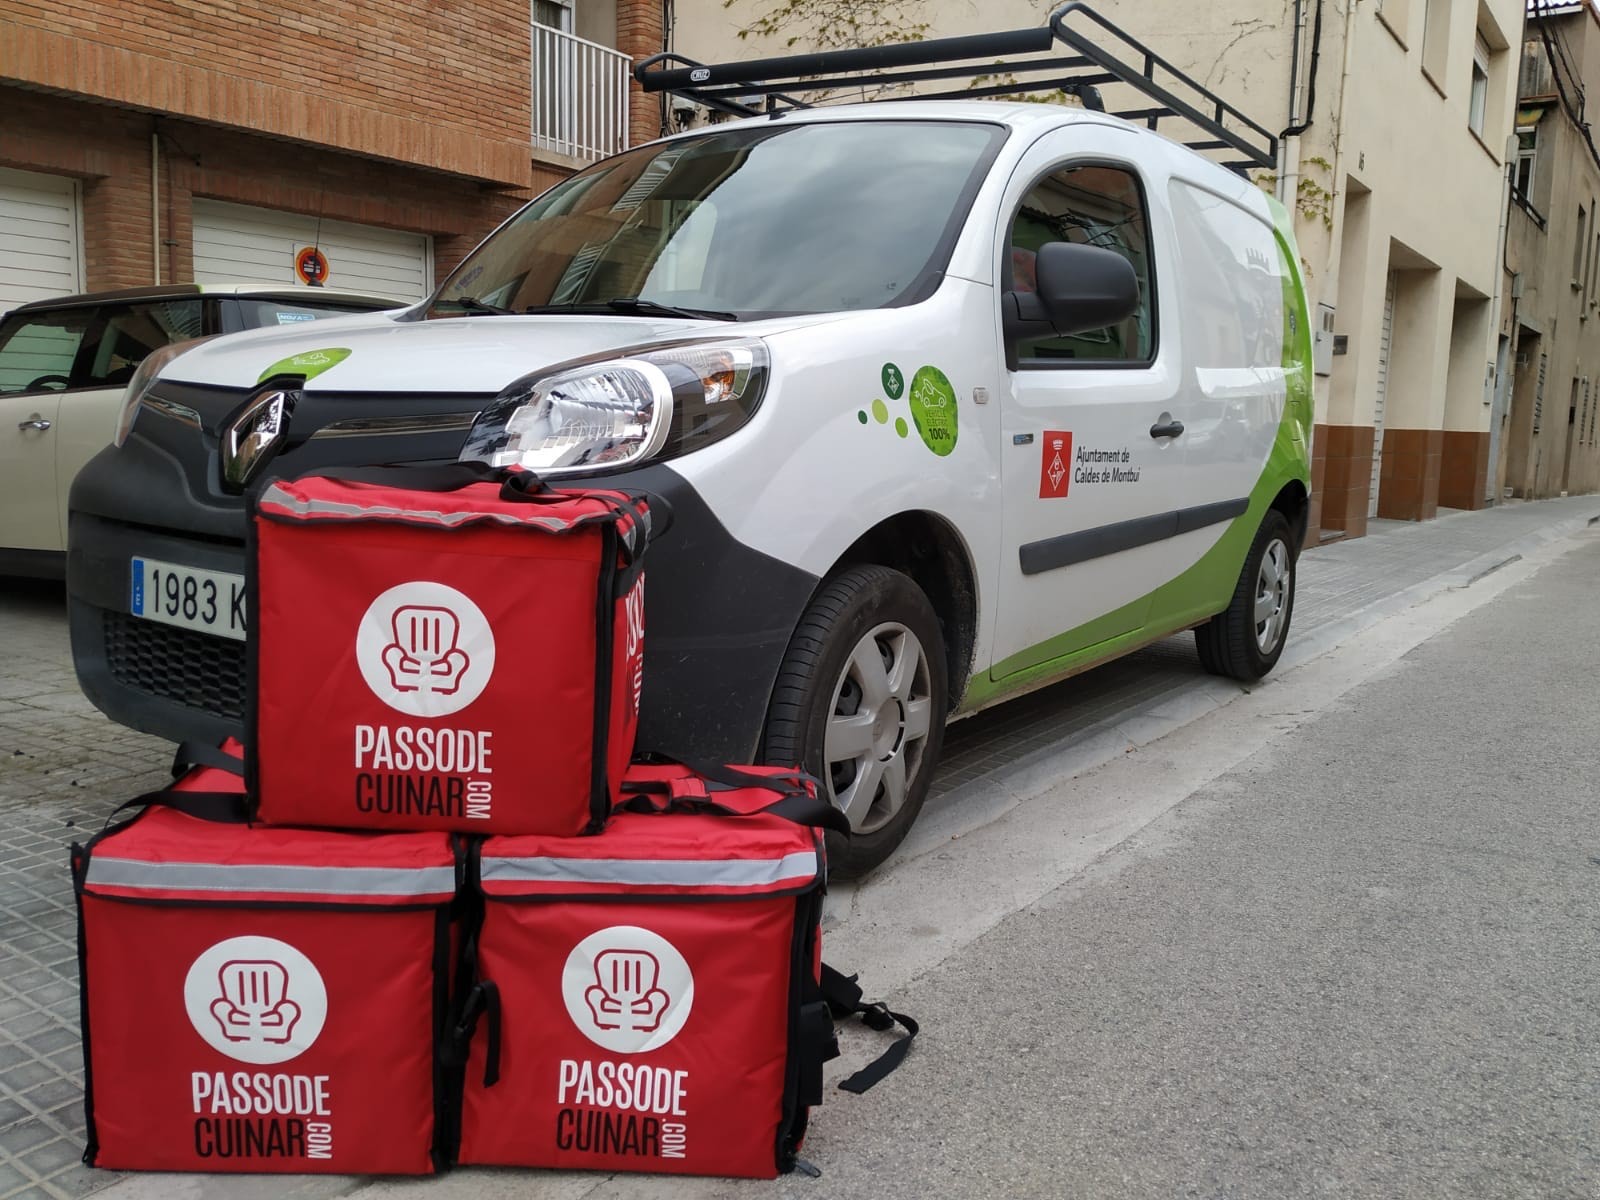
x,y
132,331
1101,206
38,350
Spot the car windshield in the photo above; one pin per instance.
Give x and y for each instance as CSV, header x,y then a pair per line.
x,y
753,221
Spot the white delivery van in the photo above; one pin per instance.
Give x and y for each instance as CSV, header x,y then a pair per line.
x,y
938,399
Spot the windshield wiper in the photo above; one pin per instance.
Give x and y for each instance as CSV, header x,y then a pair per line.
x,y
637,306
472,304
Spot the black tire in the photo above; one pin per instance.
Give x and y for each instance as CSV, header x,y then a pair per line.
x,y
1231,642
819,682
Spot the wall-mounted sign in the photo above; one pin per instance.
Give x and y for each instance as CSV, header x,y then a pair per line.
x,y
311,266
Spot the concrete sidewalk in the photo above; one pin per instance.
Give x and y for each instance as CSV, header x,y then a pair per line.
x,y
63,767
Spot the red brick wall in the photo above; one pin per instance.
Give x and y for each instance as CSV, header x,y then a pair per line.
x,y
640,34
443,84
109,150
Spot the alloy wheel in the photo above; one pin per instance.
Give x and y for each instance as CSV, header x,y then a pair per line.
x,y
878,725
1272,595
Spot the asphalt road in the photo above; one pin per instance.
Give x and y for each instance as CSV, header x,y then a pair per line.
x,y
1363,963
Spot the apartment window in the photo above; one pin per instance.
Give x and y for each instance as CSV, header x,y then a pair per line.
x,y
553,14
1577,248
1527,156
1594,268
1479,100
1588,262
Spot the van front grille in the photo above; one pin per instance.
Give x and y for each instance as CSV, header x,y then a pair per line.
x,y
193,669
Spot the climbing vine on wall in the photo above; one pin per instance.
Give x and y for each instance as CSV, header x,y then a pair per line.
x,y
835,24
1312,200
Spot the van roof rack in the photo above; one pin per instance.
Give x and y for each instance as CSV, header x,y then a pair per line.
x,y
1102,55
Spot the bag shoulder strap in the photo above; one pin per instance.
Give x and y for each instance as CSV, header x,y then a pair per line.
x,y
225,808
843,995
203,754
730,791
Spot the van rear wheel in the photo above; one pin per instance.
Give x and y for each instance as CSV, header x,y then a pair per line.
x,y
860,703
1245,639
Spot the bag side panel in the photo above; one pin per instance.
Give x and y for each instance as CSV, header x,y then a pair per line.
x,y
627,687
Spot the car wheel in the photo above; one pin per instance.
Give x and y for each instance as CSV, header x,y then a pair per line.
x,y
1245,639
860,703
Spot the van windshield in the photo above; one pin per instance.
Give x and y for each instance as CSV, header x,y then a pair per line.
x,y
754,221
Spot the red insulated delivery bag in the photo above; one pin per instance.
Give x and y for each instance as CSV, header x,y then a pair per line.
x,y
442,648
261,999
647,999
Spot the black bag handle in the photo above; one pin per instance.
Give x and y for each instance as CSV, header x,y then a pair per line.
x,y
795,801
789,780
482,1001
203,754
222,807
439,477
843,995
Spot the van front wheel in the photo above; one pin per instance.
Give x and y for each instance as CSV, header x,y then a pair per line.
x,y
860,703
1245,639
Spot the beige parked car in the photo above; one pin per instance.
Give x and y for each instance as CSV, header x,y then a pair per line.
x,y
64,364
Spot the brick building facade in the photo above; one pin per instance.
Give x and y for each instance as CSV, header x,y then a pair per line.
x,y
138,121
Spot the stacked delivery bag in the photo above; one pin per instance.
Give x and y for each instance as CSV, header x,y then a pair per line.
x,y
430,912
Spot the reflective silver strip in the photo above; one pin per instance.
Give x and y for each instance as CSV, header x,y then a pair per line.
x,y
677,872
310,881
172,409
393,426
332,508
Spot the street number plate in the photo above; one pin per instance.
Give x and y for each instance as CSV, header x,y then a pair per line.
x,y
210,601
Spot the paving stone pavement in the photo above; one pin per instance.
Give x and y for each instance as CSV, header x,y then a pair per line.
x,y
64,767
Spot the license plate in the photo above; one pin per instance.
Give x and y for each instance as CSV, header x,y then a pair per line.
x,y
210,601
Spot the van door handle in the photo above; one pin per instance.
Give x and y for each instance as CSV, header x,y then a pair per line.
x,y
1166,429
34,422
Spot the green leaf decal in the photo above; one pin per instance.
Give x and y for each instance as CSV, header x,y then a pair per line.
x,y
933,409
307,365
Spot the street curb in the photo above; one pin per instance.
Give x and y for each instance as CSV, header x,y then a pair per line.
x,y
972,805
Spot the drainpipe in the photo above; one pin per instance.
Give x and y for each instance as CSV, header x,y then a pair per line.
x,y
1285,156
155,204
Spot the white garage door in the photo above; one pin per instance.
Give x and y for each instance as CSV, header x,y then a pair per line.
x,y
41,248
236,243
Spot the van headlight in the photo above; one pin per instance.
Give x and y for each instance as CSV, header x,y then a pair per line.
x,y
615,411
143,380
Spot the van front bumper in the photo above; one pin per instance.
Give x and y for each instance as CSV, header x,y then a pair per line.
x,y
718,618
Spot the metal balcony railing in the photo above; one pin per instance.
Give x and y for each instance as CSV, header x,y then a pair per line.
x,y
580,95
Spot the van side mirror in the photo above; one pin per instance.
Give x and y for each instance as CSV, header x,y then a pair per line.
x,y
1080,288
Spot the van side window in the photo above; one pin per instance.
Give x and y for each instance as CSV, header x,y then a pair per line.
x,y
38,350
132,331
1103,206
